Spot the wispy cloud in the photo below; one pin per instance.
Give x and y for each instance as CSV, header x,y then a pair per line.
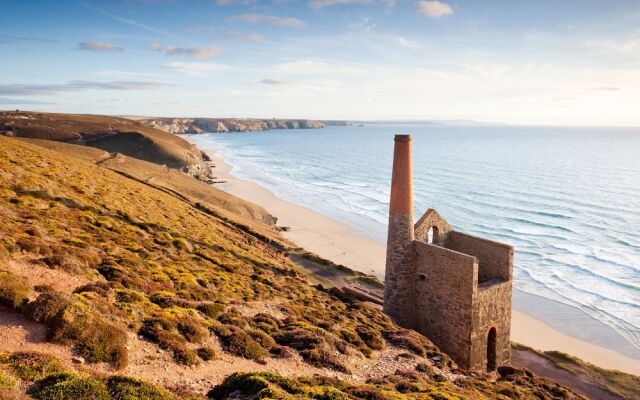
x,y
269,19
129,21
275,82
7,101
196,52
403,41
116,73
629,44
235,2
434,9
606,89
323,68
99,46
320,4
197,68
36,89
231,35
7,39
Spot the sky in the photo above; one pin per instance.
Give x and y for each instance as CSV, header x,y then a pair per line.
x,y
543,62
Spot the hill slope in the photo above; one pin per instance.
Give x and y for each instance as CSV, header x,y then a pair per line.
x,y
133,278
111,134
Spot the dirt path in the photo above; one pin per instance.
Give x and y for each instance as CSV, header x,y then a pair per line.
x,y
17,333
545,368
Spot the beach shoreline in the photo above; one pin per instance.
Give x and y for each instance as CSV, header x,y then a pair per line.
x,y
344,245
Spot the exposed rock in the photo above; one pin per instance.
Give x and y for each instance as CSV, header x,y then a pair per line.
x,y
202,125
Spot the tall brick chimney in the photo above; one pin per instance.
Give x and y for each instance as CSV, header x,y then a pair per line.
x,y
399,271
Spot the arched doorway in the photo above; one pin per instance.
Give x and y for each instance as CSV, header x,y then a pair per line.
x,y
491,350
432,234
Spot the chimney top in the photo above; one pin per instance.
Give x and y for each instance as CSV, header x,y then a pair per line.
x,y
403,138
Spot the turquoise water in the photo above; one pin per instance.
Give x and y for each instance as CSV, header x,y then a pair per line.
x,y
568,199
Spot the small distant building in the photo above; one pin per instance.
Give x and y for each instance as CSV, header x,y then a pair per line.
x,y
450,286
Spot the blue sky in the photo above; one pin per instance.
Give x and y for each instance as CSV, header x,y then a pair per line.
x,y
530,62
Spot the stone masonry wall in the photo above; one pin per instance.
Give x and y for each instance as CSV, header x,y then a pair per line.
x,y
495,259
399,298
445,284
431,218
492,309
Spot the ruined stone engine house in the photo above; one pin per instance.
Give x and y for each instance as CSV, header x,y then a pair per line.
x,y
452,287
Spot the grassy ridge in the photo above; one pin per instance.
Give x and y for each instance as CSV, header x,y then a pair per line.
x,y
111,134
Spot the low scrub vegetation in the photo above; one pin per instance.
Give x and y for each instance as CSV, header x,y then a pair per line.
x,y
402,385
43,377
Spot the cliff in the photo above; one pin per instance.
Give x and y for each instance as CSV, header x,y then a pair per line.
x,y
224,125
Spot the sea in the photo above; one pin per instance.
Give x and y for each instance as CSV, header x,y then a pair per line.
x,y
567,198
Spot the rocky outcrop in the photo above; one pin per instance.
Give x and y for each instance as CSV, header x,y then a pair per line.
x,y
202,125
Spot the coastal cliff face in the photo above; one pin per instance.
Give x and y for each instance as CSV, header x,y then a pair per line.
x,y
202,125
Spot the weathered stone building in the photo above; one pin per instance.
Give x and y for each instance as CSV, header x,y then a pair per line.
x,y
450,286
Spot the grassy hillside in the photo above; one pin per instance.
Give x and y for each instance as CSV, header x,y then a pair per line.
x,y
159,274
111,134
196,192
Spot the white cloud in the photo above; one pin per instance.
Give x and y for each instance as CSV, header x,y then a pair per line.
x,y
320,4
25,39
230,35
628,45
197,68
407,43
434,9
234,2
269,19
99,46
321,68
197,52
116,73
275,82
486,70
36,89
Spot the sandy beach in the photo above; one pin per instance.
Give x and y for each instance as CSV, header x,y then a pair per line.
x,y
342,244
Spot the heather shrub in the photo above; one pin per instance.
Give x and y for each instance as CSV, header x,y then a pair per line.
x,y
206,353
6,382
163,331
14,290
322,358
211,310
127,388
70,321
265,340
236,341
30,366
192,330
67,386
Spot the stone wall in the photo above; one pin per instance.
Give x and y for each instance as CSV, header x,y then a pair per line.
x,y
400,271
495,259
492,309
445,285
431,219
